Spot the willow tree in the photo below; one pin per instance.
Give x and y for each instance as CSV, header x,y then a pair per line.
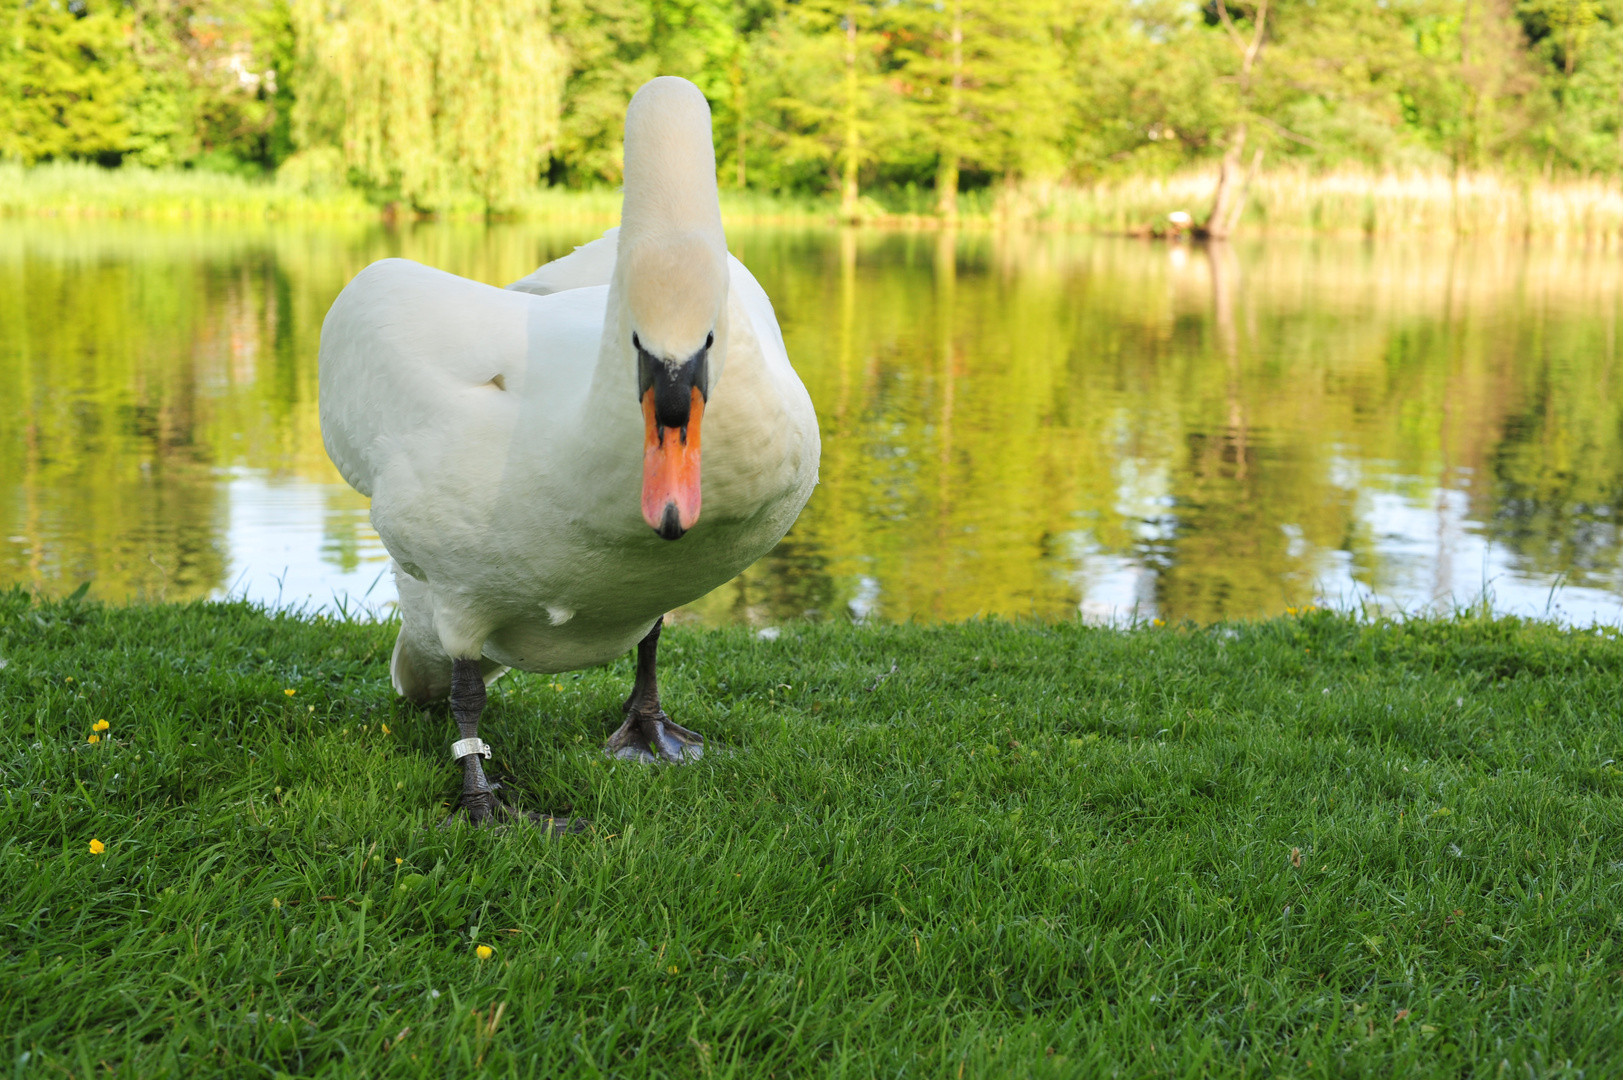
x,y
432,100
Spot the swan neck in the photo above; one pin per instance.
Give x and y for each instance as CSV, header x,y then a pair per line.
x,y
670,167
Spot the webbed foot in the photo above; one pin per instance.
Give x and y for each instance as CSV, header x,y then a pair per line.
x,y
486,808
648,734
654,737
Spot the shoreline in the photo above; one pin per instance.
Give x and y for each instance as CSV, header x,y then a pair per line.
x,y
1285,204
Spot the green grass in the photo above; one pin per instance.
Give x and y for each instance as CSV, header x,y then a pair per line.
x,y
1281,202
76,190
1033,850
1299,202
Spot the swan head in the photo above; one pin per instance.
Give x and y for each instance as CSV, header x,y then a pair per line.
x,y
672,273
676,296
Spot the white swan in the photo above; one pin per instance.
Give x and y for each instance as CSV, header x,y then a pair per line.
x,y
533,454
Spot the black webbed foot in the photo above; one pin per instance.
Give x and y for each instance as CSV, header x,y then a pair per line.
x,y
648,734
655,737
487,808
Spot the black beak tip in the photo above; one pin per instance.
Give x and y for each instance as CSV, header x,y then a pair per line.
x,y
670,524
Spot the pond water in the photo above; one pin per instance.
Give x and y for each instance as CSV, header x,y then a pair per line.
x,y
1013,424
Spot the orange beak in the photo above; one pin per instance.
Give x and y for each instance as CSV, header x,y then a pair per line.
x,y
670,469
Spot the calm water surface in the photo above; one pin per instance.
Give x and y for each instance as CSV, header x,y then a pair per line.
x,y
1018,425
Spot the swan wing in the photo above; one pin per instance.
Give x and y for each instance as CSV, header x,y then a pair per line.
x,y
761,439
419,367
590,264
755,302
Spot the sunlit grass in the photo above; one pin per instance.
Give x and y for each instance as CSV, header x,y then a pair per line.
x,y
1345,201
75,190
1286,201
1307,846
68,189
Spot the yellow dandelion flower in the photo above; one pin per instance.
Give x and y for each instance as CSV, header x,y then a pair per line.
x,y
398,860
276,903
97,847
100,725
673,969
290,691
485,952
385,728
69,679
95,738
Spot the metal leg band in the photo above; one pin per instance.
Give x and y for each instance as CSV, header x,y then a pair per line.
x,y
463,747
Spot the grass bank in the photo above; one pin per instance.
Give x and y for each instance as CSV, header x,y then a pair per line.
x,y
80,191
1304,847
1285,202
1347,201
75,190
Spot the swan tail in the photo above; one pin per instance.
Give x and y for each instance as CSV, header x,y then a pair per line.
x,y
590,264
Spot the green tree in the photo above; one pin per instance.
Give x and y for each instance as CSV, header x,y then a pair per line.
x,y
430,100
607,54
210,95
1578,46
611,47
985,87
833,96
1143,76
66,79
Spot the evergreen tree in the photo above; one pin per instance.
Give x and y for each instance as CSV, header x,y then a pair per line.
x,y
67,79
834,95
984,81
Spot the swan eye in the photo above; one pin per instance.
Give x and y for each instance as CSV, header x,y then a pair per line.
x,y
710,339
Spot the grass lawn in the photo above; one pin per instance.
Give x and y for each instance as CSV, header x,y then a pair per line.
x,y
1302,847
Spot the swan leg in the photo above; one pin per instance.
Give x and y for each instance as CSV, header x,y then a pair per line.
x,y
480,804
648,734
467,703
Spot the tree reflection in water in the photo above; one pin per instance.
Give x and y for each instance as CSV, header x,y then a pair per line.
x,y
1013,423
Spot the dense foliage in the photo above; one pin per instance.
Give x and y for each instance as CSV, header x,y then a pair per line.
x,y
432,101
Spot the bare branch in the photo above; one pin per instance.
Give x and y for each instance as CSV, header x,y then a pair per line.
x,y
1248,52
1228,24
1288,133
1256,38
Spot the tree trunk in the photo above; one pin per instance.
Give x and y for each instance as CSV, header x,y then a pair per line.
x,y
946,187
946,172
851,157
739,116
1228,188
1238,207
